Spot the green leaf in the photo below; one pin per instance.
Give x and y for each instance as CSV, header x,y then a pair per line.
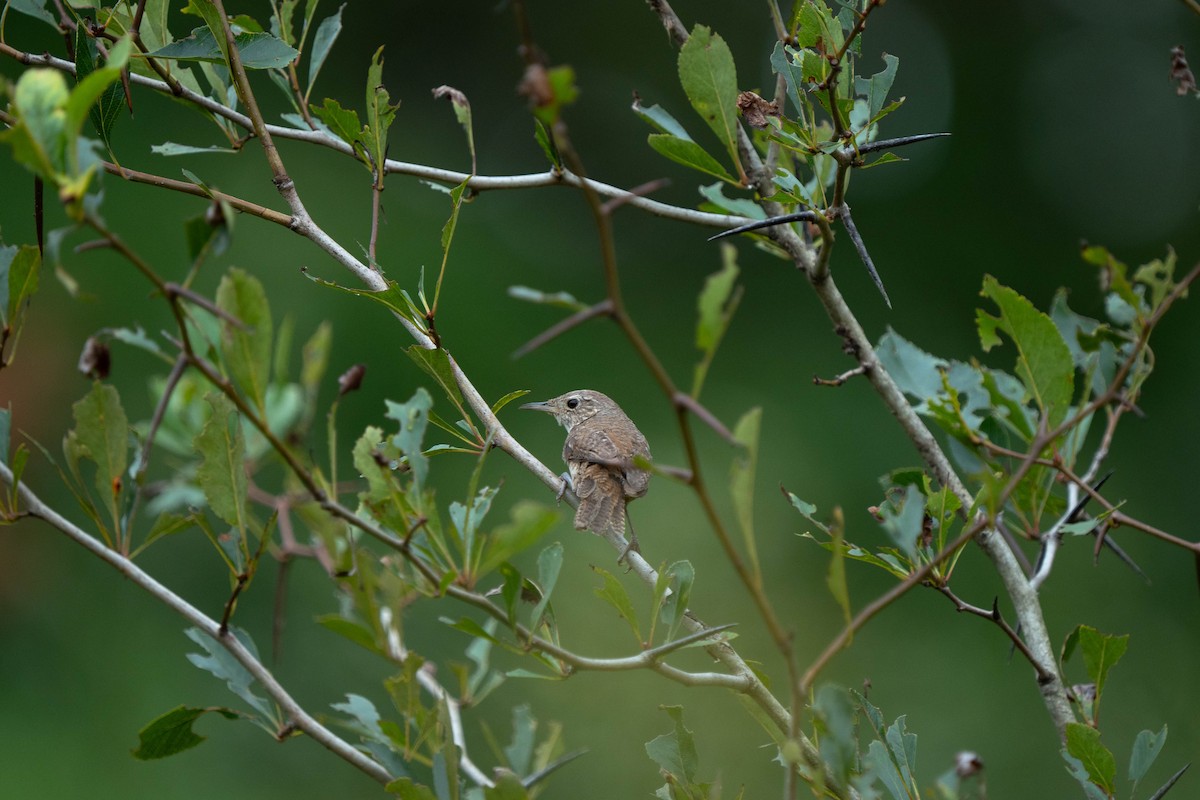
x,y
5,432
222,472
508,398
1101,651
327,34
95,88
1146,748
40,139
436,364
549,564
380,115
741,206
413,417
349,629
709,78
560,91
715,308
102,430
1083,742
614,593
560,299
507,787
546,141
221,663
393,297
172,732
20,269
406,789
176,149
462,113
904,525
660,119
690,154
675,752
876,88
257,50
834,714
343,122
679,576
835,578
107,109
917,373
529,521
741,481
35,9
1043,359
247,352
315,359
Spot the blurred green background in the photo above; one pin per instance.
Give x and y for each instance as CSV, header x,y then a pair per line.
x,y
1064,126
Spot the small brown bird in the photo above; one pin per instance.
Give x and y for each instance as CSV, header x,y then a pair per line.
x,y
601,445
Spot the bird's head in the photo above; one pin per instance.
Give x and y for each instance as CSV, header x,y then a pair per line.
x,y
572,408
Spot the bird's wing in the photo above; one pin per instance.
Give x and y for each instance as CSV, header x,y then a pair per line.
x,y
590,444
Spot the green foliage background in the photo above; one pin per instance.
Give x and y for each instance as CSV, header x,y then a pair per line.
x,y
1065,128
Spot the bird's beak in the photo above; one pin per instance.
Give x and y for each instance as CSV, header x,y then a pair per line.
x,y
542,405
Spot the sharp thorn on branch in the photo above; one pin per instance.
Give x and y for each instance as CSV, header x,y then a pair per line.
x,y
851,229
884,144
807,216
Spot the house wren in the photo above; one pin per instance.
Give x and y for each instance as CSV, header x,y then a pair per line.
x,y
601,445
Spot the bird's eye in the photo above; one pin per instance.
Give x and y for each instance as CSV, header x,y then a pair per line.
x,y
573,402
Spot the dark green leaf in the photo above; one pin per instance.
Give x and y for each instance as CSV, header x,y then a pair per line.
x,y
257,50
327,33
436,364
689,154
406,789
741,206
1101,651
342,121
350,630
835,714
105,112
715,308
549,564
529,521
247,352
380,113
614,593
102,431
393,297
741,481
545,140
222,472
1043,360
508,787
675,752
709,78
1083,742
172,732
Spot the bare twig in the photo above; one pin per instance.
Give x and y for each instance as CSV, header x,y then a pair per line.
x,y
603,308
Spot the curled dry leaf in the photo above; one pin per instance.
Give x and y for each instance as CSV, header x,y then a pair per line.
x,y
755,109
96,359
1181,73
351,379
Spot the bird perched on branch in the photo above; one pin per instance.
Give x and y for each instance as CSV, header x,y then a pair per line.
x,y
602,443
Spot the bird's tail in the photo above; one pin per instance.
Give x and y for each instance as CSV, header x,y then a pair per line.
x,y
602,509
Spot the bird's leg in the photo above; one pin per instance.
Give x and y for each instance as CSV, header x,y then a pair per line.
x,y
632,544
567,483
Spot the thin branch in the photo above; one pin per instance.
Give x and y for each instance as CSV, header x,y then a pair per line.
x,y
295,712
603,308
995,616
186,187
838,380
704,415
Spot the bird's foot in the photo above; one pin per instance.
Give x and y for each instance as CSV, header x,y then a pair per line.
x,y
562,490
631,544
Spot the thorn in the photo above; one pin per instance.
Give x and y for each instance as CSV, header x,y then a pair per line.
x,y
807,216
